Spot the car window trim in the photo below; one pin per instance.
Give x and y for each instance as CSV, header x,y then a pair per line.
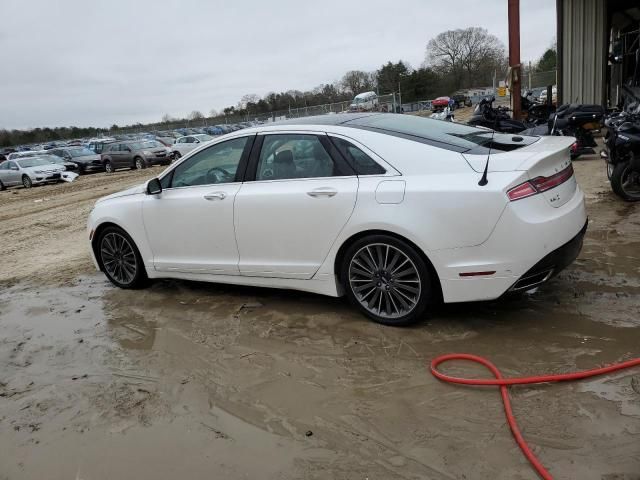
x,y
242,164
331,150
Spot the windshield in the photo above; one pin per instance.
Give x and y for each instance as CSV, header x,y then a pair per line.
x,y
80,152
33,162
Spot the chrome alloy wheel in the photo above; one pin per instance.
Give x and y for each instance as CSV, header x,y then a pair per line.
x,y
384,280
118,258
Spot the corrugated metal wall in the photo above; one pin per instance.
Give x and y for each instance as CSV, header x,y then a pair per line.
x,y
583,51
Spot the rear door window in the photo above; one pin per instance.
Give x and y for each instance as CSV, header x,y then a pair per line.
x,y
290,156
362,163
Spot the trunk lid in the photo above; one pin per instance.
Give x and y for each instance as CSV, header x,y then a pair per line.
x,y
546,157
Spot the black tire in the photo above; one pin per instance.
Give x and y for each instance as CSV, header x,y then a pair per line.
x,y
139,163
176,155
622,178
108,166
371,274
120,259
26,181
81,169
610,168
2,187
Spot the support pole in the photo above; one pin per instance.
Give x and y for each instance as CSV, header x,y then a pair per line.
x,y
514,57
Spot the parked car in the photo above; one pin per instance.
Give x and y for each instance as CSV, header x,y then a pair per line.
x,y
85,159
461,100
28,172
440,103
98,145
67,164
279,210
364,102
184,145
554,96
136,154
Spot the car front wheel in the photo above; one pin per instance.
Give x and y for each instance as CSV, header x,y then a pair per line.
x,y
387,280
108,167
119,258
26,181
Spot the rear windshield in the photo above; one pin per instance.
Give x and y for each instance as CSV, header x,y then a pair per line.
x,y
448,135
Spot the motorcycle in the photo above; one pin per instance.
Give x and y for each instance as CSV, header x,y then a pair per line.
x,y
573,120
536,113
498,118
622,154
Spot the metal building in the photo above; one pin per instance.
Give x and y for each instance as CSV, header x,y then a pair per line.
x,y
598,44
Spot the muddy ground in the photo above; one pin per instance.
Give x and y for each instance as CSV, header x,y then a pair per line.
x,y
189,380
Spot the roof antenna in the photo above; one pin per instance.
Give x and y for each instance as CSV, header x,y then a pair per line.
x,y
483,180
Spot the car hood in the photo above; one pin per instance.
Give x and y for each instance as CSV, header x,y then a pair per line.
x,y
54,167
138,189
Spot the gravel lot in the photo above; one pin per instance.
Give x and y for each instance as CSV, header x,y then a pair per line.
x,y
189,380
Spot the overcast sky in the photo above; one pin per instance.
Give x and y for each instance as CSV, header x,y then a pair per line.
x,y
80,62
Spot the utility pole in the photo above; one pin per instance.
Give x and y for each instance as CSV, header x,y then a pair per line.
x,y
514,57
399,96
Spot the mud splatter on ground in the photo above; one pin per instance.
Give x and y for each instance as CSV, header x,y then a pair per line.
x,y
189,380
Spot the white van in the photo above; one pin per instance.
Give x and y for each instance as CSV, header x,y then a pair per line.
x,y
364,102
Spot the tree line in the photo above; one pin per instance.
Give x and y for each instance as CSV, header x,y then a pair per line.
x,y
454,60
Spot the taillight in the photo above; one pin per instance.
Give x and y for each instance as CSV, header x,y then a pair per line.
x,y
540,184
523,190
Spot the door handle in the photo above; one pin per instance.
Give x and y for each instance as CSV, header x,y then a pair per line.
x,y
322,192
215,196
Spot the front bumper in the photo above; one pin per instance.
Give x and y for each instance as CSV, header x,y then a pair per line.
x,y
46,177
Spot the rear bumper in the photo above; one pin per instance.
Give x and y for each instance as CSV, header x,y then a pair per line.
x,y
528,237
552,264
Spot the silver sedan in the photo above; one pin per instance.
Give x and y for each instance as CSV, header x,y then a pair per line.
x,y
28,172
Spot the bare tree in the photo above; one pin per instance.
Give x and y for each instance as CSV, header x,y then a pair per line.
x,y
166,118
195,115
213,112
466,56
356,81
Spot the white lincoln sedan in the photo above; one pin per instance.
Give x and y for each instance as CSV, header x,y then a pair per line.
x,y
395,211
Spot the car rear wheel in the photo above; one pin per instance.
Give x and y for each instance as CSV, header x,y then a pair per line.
x,y
176,155
139,163
387,280
119,258
625,182
26,181
2,187
108,167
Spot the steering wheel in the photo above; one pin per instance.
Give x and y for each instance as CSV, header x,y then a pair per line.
x,y
214,177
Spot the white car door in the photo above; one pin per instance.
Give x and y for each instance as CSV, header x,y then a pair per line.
x,y
293,204
182,146
189,224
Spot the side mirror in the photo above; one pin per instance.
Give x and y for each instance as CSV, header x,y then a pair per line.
x,y
14,168
154,187
196,141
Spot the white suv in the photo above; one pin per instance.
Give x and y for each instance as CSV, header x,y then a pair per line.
x,y
184,145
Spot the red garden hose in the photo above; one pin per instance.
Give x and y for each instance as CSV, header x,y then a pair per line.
x,y
503,383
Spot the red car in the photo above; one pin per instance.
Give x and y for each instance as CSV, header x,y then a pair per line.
x,y
440,103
